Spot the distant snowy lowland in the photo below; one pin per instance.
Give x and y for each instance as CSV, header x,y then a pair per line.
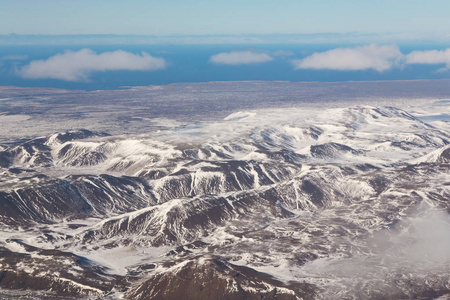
x,y
227,190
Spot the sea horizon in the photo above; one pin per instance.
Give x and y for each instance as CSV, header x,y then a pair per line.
x,y
193,63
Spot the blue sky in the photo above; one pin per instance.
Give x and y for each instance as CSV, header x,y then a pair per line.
x,y
214,17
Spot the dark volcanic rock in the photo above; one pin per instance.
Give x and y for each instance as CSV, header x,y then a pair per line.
x,y
78,135
78,197
5,159
50,270
33,152
332,150
205,279
186,220
222,177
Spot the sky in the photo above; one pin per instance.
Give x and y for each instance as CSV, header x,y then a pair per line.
x,y
216,17
111,43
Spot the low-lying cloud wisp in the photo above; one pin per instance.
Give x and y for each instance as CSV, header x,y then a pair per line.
x,y
240,58
376,57
77,66
429,57
418,248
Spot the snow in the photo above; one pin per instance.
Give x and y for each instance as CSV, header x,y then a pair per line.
x,y
430,157
333,239
121,259
89,289
240,115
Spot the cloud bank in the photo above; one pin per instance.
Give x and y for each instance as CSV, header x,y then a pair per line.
x,y
376,57
77,66
240,58
430,57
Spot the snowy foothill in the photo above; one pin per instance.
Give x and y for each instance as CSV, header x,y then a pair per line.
x,y
307,200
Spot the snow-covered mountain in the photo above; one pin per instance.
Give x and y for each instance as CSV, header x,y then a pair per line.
x,y
298,203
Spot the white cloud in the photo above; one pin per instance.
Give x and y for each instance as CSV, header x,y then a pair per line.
x,y
77,66
240,58
430,57
379,58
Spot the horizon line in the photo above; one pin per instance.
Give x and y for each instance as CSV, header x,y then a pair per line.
x,y
353,37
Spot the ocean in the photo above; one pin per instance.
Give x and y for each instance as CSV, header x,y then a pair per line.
x,y
190,63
